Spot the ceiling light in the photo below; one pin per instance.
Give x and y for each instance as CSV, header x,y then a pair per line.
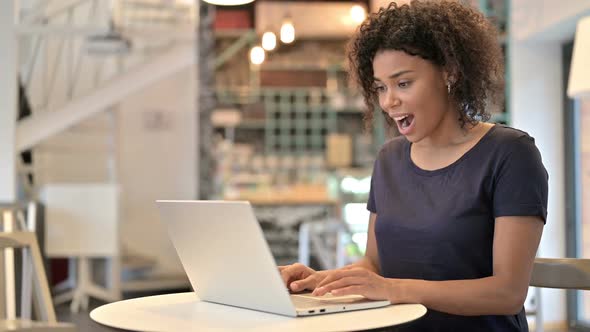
x,y
228,2
358,13
287,32
269,41
257,55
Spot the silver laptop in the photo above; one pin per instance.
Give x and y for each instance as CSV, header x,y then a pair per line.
x,y
223,251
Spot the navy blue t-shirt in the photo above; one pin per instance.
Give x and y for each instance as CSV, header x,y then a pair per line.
x,y
439,225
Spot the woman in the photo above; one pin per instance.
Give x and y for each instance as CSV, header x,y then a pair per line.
x,y
457,205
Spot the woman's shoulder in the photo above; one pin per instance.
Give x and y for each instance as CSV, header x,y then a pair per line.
x,y
393,147
511,142
505,134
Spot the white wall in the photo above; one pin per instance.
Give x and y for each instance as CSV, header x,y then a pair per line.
x,y
536,106
150,139
545,20
8,102
81,153
538,28
152,161
157,160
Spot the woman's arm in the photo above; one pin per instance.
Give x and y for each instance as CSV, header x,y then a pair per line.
x,y
515,243
516,240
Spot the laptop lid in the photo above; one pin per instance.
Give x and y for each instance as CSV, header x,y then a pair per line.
x,y
223,251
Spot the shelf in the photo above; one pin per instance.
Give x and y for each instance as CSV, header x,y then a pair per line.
x,y
252,124
349,111
232,33
294,195
249,124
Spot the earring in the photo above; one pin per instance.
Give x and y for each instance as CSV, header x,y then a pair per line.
x,y
449,87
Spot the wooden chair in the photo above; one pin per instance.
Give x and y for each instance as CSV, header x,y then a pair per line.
x,y
562,273
47,322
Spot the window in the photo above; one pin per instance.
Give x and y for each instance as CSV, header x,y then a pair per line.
x,y
577,154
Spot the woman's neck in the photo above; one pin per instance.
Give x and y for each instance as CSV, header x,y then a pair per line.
x,y
449,133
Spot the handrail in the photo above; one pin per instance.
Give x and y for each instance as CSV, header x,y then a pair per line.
x,y
40,15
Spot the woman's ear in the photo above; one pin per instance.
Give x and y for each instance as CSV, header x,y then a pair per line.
x,y
449,78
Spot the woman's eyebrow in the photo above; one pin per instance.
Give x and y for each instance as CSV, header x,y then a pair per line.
x,y
395,75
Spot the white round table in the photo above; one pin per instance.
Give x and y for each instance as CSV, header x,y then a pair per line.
x,y
185,312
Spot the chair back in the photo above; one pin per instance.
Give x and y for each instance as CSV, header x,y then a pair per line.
x,y
27,241
564,273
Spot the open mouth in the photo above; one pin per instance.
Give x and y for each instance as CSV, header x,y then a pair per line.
x,y
404,122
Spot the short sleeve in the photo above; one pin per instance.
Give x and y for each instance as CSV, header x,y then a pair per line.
x,y
521,182
371,203
371,206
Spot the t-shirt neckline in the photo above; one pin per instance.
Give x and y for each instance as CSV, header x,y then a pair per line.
x,y
424,172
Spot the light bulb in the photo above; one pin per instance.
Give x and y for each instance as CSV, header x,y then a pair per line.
x,y
228,2
357,13
257,55
269,41
287,32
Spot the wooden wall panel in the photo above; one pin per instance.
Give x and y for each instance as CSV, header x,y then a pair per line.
x,y
293,78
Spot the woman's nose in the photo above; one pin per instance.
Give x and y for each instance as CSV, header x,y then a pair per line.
x,y
389,101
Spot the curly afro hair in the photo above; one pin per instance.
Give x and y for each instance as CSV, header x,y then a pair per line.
x,y
450,35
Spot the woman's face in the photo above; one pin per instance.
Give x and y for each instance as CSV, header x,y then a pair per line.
x,y
413,92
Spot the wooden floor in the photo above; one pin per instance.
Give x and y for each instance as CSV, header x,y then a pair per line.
x,y
82,318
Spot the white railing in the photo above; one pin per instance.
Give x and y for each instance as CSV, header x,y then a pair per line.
x,y
55,39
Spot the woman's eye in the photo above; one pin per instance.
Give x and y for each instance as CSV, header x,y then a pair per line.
x,y
404,84
379,88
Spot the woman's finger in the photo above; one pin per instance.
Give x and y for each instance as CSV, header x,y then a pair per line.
x,y
339,274
343,282
295,272
350,290
307,283
288,273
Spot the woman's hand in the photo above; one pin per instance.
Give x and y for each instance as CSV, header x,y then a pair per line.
x,y
355,280
298,277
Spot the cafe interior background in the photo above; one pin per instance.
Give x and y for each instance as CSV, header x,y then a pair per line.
x,y
120,103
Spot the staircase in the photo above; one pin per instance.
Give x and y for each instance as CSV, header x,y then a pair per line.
x,y
69,95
